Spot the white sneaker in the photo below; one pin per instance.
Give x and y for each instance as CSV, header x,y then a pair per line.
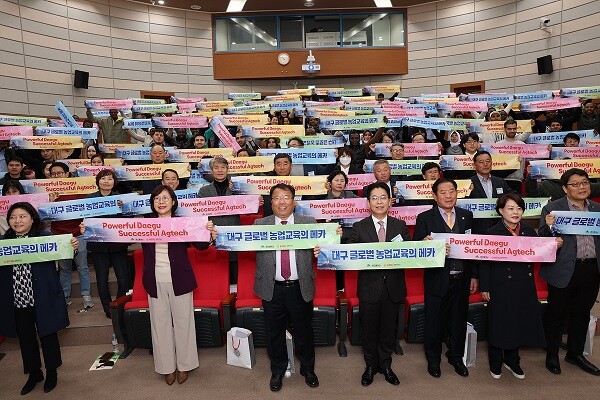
x,y
516,371
496,374
87,301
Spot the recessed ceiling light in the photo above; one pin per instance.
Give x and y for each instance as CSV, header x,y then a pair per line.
x,y
383,3
161,2
195,7
308,3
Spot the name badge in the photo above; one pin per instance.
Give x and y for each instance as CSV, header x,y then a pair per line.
x,y
499,190
467,232
398,238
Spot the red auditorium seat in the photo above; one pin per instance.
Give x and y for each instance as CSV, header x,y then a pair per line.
x,y
415,306
248,308
325,305
248,219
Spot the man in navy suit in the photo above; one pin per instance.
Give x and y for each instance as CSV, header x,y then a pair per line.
x,y
446,289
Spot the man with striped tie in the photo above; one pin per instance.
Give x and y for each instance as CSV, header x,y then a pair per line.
x,y
380,292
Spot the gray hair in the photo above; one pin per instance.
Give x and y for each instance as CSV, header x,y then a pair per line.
x,y
218,160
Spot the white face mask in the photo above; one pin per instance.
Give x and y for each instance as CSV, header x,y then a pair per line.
x,y
345,160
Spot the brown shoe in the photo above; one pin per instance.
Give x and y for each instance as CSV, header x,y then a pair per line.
x,y
170,378
182,376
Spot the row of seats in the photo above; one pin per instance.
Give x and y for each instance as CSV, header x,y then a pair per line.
x,y
216,310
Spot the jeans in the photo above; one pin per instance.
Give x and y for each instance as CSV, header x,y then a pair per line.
x,y
82,269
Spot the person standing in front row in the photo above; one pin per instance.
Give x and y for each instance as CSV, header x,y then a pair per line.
x,y
285,281
380,292
446,289
573,279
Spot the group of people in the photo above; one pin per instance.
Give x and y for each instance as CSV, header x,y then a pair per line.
x,y
284,280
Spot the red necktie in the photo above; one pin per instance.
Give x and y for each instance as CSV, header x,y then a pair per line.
x,y
381,231
286,270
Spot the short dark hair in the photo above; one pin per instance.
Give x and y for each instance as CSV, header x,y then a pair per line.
x,y
378,185
35,227
12,184
345,150
297,139
502,200
470,135
564,179
60,164
556,120
572,135
510,121
481,153
156,145
162,176
430,165
158,190
439,181
97,156
282,155
282,186
107,172
14,158
335,173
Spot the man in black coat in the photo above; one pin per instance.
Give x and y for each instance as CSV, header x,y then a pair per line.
x,y
486,186
380,292
446,289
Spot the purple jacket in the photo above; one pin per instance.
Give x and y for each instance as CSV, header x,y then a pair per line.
x,y
182,275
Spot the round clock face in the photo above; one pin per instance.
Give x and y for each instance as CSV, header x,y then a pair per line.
x,y
283,58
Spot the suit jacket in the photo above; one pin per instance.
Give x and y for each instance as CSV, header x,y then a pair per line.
x,y
225,220
559,273
436,279
264,277
182,275
50,308
499,187
393,180
371,284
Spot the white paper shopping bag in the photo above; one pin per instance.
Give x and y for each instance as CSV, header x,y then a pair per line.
x,y
470,346
589,338
240,348
289,342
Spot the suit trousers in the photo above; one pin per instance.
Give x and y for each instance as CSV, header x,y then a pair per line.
x,y
287,302
575,300
378,324
173,330
30,350
497,356
446,316
102,263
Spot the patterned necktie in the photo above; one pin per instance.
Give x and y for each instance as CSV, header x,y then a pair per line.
x,y
381,232
286,270
449,220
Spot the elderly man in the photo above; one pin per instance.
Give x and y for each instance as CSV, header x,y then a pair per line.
x,y
111,128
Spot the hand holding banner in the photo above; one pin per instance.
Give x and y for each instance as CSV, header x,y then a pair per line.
x,y
36,249
500,248
384,255
219,205
577,222
153,230
276,237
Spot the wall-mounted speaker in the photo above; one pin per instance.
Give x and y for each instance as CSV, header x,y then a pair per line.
x,y
544,65
81,79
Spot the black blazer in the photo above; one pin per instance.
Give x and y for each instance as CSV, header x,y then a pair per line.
x,y
372,283
499,187
431,221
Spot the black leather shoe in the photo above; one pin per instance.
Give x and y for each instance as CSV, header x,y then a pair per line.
x,y
552,364
275,383
310,378
51,380
434,370
390,376
367,376
460,368
32,381
582,363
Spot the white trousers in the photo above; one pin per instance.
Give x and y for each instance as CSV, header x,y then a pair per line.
x,y
173,330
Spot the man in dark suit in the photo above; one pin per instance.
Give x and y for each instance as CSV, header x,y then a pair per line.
x,y
446,289
380,292
573,279
383,173
285,281
282,167
486,186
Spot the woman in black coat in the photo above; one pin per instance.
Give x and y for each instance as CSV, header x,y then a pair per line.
x,y
31,299
514,317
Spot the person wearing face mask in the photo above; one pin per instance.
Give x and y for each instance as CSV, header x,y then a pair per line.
x,y
345,163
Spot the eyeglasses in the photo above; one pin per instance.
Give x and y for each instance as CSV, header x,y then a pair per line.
x,y
57,174
579,184
375,199
162,199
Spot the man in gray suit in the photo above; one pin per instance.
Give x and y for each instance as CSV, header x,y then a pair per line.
x,y
573,279
285,281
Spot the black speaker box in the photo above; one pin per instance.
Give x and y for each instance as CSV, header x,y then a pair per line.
x,y
81,79
544,65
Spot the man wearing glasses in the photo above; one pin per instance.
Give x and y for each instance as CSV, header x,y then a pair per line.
x,y
573,279
380,292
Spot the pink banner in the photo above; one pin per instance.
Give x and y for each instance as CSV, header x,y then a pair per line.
x,y
421,150
223,133
464,106
92,170
359,181
154,230
180,122
109,104
34,199
556,104
404,112
6,132
407,214
188,100
522,150
581,152
500,248
186,107
220,205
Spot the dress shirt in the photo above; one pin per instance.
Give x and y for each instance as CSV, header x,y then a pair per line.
x,y
585,243
377,226
487,185
293,267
